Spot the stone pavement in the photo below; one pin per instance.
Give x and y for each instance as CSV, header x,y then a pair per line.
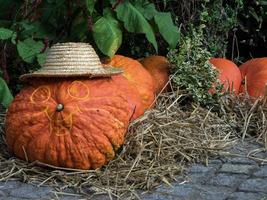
x,y
226,177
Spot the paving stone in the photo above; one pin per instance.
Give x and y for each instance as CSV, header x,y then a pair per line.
x,y
163,196
181,190
199,173
208,192
238,168
254,185
198,177
215,161
199,168
262,172
192,191
30,191
247,196
239,160
226,179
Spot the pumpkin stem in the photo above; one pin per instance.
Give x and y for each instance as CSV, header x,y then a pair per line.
x,y
60,107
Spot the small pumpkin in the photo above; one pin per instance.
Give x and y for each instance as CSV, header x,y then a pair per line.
x,y
137,75
68,123
229,74
254,76
159,68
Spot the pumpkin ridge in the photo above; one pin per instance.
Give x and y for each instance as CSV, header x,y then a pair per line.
x,y
72,152
93,138
34,140
17,142
113,142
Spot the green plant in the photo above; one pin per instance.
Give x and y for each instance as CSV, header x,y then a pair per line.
x,y
5,94
191,68
250,36
28,28
204,34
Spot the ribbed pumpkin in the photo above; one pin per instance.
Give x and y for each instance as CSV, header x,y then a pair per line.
x,y
159,68
68,123
137,75
229,74
254,74
131,94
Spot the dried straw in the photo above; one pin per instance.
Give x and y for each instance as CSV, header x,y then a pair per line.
x,y
158,146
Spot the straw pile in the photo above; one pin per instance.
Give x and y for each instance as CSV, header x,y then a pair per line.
x,y
158,147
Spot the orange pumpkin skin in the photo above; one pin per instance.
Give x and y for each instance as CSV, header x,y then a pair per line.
x,y
159,68
229,74
254,74
84,134
131,95
138,77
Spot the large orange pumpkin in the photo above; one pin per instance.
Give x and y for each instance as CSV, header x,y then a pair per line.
x,y
138,77
159,68
68,123
229,74
254,75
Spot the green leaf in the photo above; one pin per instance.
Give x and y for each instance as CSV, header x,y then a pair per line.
x,y
28,49
90,5
135,22
167,29
146,8
107,34
5,95
5,33
33,29
41,58
13,38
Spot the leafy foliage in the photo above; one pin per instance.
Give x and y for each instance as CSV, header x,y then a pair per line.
x,y
135,22
5,94
191,68
28,28
203,37
28,49
107,34
250,36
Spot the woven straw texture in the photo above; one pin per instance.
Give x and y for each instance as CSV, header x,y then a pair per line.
x,y
72,59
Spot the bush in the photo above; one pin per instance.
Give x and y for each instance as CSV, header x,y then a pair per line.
x,y
204,37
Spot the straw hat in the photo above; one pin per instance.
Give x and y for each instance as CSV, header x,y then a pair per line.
x,y
72,59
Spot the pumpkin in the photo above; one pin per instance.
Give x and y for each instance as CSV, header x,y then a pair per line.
x,y
159,68
254,76
68,123
229,74
137,76
131,94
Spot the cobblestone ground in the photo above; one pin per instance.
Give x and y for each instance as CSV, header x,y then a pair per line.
x,y
227,177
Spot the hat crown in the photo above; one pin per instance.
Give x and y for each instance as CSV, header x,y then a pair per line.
x,y
72,60
72,55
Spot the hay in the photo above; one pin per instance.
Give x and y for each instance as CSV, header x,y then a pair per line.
x,y
246,115
158,147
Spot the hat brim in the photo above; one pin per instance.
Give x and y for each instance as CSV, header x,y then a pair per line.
x,y
107,71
